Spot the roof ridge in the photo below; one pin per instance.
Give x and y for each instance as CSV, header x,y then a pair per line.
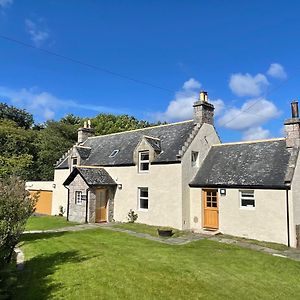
x,y
87,147
89,167
249,142
151,137
139,129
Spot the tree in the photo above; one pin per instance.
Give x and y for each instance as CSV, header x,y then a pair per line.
x,y
52,142
20,116
108,123
16,206
17,150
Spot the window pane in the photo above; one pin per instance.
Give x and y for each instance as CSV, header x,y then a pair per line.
x,y
144,193
144,203
248,202
144,166
145,156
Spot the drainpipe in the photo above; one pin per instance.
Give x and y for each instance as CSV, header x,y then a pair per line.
x,y
68,204
86,205
287,218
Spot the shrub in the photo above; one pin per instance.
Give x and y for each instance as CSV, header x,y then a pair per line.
x,y
61,211
132,216
16,206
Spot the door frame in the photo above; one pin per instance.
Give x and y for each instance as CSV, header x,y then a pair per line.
x,y
204,194
106,207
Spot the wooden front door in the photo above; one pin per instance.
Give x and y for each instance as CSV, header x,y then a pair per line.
x,y
211,209
101,205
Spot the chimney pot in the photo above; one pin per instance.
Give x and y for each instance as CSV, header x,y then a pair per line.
x,y
203,96
295,109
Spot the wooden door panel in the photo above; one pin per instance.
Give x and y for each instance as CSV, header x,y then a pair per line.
x,y
44,203
210,209
101,205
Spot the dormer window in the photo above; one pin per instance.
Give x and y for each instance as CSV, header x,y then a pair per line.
x,y
74,162
114,153
144,162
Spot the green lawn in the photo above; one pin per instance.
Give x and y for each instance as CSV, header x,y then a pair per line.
x,y
47,222
101,264
143,228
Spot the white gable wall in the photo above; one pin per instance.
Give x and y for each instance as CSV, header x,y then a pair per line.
x,y
205,138
60,193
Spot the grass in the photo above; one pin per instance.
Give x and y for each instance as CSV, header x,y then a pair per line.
x,y
101,264
143,228
47,222
275,246
8,279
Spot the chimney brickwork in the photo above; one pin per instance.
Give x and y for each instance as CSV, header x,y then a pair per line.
x,y
85,132
203,110
292,128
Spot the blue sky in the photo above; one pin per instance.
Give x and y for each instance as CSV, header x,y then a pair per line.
x,y
243,53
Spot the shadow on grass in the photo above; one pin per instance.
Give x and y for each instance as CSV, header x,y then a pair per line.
x,y
35,282
29,237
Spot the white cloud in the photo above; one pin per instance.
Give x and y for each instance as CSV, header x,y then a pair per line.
x,y
44,105
248,85
37,31
5,3
253,113
256,133
191,84
181,107
277,71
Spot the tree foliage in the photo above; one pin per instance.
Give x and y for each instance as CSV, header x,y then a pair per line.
x,y
52,142
30,150
20,116
17,149
16,206
108,123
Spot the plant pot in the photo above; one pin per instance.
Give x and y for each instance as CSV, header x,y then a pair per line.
x,y
163,232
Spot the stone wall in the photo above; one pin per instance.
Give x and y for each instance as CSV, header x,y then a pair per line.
x,y
77,212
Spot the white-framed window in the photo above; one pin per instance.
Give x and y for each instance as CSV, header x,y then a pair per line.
x,y
144,161
78,197
247,199
143,198
74,162
195,159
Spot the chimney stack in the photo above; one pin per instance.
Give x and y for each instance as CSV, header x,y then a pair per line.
x,y
203,110
292,127
85,132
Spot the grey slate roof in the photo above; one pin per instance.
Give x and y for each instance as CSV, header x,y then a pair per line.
x,y
256,164
92,176
63,164
155,143
172,138
84,152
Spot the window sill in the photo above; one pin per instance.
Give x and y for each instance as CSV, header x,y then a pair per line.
x,y
247,208
143,209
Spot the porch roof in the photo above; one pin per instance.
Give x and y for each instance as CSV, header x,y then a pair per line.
x,y
92,176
